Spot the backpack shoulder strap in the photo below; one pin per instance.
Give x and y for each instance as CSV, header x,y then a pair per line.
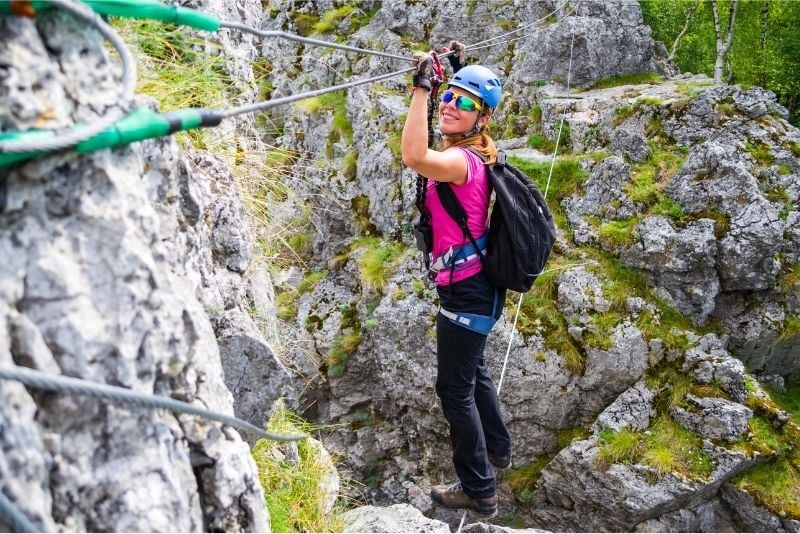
x,y
455,210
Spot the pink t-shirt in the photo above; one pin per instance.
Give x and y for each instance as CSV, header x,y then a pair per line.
x,y
474,197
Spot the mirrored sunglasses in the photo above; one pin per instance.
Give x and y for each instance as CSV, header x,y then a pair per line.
x,y
463,103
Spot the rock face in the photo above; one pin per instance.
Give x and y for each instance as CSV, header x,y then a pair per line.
x,y
110,263
136,267
693,260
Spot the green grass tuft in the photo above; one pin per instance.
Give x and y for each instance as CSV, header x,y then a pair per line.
x,y
617,447
636,78
294,497
523,480
378,261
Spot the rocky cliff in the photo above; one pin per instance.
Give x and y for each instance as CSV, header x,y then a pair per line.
x,y
122,267
631,389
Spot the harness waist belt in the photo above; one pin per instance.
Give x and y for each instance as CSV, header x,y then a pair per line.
x,y
482,324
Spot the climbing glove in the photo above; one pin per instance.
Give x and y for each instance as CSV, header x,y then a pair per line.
x,y
459,58
422,76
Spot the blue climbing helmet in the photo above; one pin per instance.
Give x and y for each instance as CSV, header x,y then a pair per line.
x,y
481,81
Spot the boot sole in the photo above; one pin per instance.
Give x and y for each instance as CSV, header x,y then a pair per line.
x,y
486,513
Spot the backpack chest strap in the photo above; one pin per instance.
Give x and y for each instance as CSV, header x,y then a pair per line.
x,y
458,256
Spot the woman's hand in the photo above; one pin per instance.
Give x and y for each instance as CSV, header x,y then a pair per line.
x,y
459,58
423,62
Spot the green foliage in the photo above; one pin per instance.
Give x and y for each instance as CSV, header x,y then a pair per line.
x,y
622,113
669,448
292,490
636,78
775,485
522,480
327,23
692,89
286,304
649,101
566,180
378,260
617,447
648,178
566,436
342,348
538,313
337,104
764,58
790,329
789,278
310,281
788,399
360,206
350,163
544,144
760,152
175,66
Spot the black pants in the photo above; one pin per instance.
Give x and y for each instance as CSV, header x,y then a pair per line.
x,y
468,395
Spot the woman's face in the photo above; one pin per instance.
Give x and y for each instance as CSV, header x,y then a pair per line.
x,y
453,119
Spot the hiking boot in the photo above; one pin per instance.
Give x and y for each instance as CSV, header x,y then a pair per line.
x,y
453,496
501,462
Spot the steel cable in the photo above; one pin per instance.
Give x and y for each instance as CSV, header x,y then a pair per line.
x,y
81,132
317,42
16,520
477,46
75,386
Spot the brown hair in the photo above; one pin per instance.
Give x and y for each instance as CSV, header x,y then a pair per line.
x,y
482,142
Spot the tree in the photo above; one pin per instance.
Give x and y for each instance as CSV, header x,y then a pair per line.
x,y
762,51
723,46
689,15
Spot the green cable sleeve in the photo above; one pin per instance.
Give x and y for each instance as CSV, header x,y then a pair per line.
x,y
140,124
137,9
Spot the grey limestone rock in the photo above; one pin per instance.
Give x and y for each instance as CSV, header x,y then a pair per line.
x,y
576,493
711,516
609,39
395,518
633,410
680,261
709,362
750,517
630,144
603,196
714,418
107,258
579,292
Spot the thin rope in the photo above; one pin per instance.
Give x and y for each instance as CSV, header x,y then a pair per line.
x,y
14,519
547,187
75,386
78,133
316,42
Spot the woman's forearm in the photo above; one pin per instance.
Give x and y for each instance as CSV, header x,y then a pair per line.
x,y
414,142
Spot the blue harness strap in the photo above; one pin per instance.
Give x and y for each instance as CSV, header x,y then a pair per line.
x,y
457,257
481,324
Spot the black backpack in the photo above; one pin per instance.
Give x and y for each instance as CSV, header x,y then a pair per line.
x,y
521,227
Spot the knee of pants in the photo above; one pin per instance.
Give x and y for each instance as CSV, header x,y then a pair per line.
x,y
455,394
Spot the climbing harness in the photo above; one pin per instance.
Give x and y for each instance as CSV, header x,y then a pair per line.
x,y
481,324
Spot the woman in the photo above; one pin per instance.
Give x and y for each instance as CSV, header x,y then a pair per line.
x,y
470,404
